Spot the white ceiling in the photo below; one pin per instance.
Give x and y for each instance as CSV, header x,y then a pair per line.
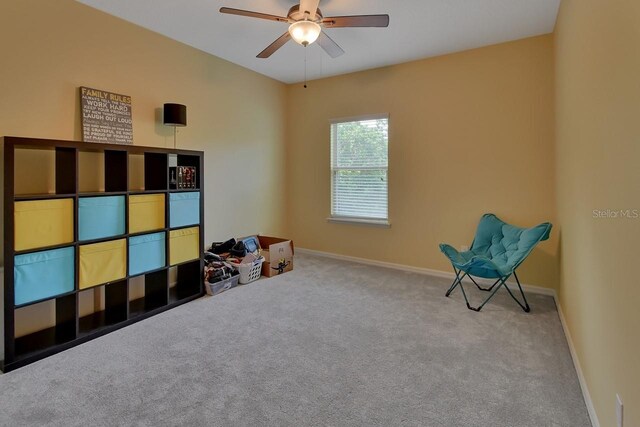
x,y
418,29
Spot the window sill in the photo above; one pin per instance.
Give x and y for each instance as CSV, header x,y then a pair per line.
x,y
360,221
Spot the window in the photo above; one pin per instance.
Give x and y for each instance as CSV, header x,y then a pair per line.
x,y
359,164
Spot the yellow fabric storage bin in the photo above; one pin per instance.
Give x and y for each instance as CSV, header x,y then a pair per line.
x,y
184,245
102,262
41,223
146,212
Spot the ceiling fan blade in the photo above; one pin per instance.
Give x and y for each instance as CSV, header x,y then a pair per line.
x,y
270,50
252,14
309,6
356,21
329,45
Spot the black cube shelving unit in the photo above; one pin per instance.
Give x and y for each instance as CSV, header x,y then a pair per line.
x,y
118,305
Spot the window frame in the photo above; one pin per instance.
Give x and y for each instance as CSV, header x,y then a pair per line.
x,y
333,218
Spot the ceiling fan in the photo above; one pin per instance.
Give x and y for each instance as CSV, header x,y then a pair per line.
x,y
306,25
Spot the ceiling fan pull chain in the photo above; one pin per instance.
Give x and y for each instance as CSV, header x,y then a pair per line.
x,y
305,67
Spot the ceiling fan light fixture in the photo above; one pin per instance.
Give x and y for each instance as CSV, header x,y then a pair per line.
x,y
304,32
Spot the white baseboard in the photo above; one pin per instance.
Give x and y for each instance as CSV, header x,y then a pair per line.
x,y
449,275
576,364
420,270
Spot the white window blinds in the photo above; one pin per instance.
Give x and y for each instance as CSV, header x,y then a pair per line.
x,y
359,167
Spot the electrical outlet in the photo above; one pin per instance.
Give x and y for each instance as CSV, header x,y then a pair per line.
x,y
619,410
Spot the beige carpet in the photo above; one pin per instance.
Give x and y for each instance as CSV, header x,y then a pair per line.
x,y
330,344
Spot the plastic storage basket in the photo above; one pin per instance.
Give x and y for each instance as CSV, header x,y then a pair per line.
x,y
221,286
249,271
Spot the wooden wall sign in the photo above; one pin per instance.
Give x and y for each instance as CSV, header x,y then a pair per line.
x,y
106,117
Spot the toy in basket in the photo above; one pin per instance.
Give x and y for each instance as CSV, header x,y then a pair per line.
x,y
249,267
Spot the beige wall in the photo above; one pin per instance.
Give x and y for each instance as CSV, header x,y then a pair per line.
x,y
50,48
598,153
469,133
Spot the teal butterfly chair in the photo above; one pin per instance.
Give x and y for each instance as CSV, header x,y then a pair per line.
x,y
497,250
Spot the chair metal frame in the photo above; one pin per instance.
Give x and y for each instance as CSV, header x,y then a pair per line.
x,y
501,281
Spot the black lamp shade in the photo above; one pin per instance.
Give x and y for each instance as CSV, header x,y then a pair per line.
x,y
175,115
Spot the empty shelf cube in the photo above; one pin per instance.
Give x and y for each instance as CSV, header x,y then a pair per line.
x,y
102,262
184,245
146,253
45,274
184,209
42,223
146,213
100,217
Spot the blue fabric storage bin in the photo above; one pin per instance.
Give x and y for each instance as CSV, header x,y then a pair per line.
x,y
146,253
184,209
100,217
40,275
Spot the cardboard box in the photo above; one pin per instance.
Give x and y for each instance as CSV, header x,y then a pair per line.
x,y
278,255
